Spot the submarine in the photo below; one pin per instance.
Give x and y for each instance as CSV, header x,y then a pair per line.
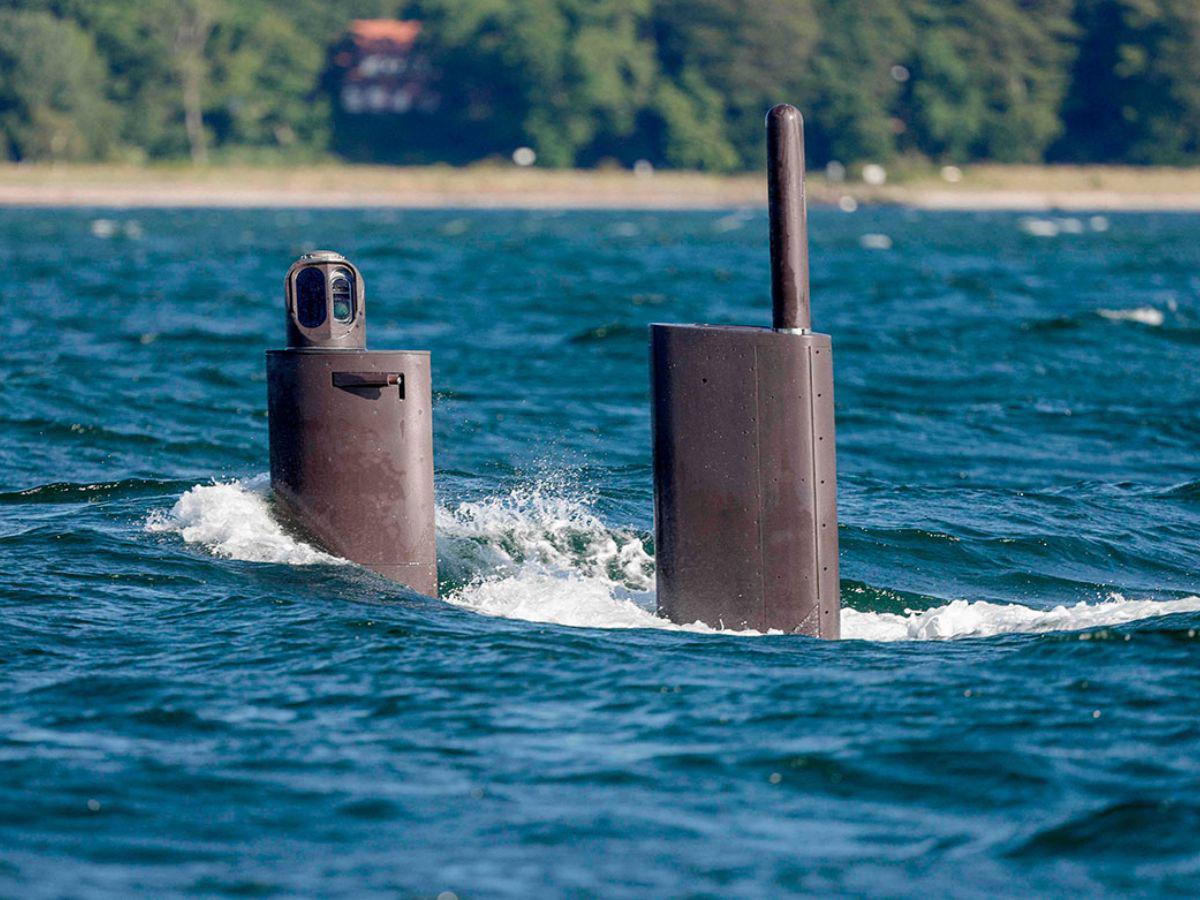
x,y
744,467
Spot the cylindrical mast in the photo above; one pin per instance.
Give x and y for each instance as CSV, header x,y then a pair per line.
x,y
789,219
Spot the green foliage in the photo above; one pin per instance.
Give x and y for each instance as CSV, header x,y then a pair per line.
x,y
851,90
247,70
1135,90
691,124
731,60
263,74
987,78
560,75
678,82
51,90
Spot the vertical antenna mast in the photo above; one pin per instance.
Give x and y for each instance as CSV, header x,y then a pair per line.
x,y
789,220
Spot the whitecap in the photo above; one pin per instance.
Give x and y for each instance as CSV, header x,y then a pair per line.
x,y
1039,227
104,228
1144,315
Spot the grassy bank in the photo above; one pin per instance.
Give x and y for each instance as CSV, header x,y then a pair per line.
x,y
333,185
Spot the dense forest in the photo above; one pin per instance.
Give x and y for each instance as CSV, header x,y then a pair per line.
x,y
679,83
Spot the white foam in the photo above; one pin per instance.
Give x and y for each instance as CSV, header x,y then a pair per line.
x,y
961,618
233,520
1145,315
556,598
1052,227
541,556
875,242
538,555
1039,227
543,528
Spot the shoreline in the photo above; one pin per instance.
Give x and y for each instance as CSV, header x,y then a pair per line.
x,y
332,186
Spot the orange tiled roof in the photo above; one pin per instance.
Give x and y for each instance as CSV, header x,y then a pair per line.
x,y
391,31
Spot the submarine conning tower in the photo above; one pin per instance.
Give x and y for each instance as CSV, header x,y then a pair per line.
x,y
745,484
351,431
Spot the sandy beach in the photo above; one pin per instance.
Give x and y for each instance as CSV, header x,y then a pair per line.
x,y
333,185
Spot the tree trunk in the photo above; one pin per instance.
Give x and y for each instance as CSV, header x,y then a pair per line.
x,y
193,119
195,26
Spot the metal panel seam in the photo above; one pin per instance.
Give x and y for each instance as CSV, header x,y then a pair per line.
x,y
812,425
762,556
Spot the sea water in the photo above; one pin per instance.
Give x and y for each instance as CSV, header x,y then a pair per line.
x,y
194,701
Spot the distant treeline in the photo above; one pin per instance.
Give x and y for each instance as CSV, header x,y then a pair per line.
x,y
675,82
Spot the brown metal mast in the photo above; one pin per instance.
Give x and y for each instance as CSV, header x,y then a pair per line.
x,y
789,219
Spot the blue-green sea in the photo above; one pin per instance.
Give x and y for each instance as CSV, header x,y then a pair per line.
x,y
192,701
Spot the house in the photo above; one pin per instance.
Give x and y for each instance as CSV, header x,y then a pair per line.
x,y
381,70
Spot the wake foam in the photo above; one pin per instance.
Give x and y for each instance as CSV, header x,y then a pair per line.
x,y
539,555
961,618
233,520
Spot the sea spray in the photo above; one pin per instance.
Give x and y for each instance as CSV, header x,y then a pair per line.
x,y
544,556
541,527
233,520
537,555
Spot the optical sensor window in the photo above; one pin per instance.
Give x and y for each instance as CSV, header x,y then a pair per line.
x,y
341,285
310,297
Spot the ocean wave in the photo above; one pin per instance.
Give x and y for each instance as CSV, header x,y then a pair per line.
x,y
1149,316
541,556
608,332
81,492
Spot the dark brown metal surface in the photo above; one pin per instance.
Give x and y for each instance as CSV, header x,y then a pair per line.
x,y
745,486
351,430
352,456
789,218
745,475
